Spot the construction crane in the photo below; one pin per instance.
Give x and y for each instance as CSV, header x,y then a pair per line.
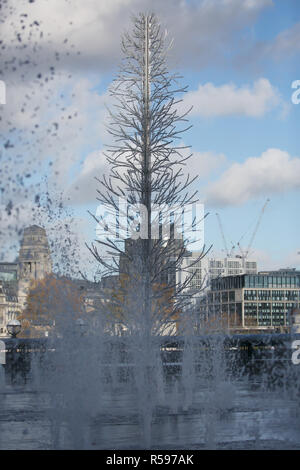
x,y
222,233
232,249
246,253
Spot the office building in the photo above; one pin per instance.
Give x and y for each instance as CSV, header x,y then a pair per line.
x,y
253,302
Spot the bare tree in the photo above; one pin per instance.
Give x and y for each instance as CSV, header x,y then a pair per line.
x,y
147,162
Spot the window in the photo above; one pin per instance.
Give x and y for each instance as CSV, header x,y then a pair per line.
x,y
231,296
250,295
250,313
264,295
292,295
264,314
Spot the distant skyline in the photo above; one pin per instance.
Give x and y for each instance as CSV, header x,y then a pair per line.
x,y
239,59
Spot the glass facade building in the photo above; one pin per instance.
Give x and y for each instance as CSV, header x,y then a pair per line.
x,y
262,301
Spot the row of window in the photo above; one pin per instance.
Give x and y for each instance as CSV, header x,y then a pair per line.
x,y
271,281
257,314
251,264
271,294
267,314
234,264
225,297
255,281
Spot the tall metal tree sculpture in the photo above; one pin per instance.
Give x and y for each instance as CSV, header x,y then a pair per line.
x,y
146,174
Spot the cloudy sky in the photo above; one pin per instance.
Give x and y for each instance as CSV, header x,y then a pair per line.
x,y
239,59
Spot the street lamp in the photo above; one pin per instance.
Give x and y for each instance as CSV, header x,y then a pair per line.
x,y
13,328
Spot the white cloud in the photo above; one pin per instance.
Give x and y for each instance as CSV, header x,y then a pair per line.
x,y
228,99
84,189
55,115
283,46
204,163
66,127
286,43
202,29
275,171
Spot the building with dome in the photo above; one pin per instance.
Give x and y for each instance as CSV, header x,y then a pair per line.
x,y
33,263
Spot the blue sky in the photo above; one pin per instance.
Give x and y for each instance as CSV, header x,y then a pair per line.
x,y
239,59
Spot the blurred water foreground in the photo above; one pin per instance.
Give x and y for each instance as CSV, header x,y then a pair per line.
x,y
193,392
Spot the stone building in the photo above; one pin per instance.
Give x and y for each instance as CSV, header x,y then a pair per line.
x,y
33,263
34,260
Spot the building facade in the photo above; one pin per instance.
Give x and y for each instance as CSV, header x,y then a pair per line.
x,y
8,293
33,263
253,302
206,269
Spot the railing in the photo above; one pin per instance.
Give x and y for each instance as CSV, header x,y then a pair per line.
x,y
250,353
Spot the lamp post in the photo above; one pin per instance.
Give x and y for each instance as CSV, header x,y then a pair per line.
x,y
13,328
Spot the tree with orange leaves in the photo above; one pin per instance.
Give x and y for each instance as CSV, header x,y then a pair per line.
x,y
123,310
50,302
